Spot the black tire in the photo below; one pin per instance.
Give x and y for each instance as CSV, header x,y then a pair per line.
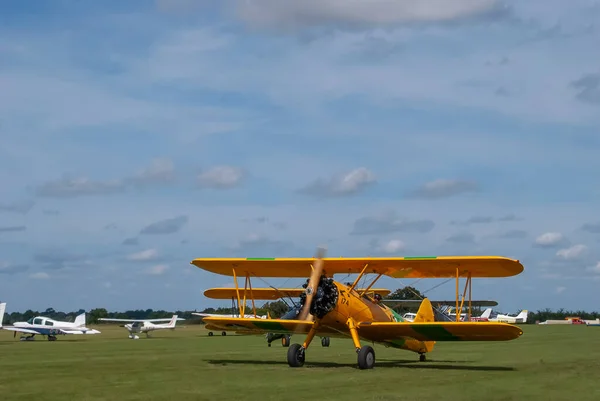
x,y
210,333
285,341
325,341
422,358
366,357
223,333
295,356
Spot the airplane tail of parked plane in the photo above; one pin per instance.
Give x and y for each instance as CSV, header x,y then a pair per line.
x,y
486,313
80,320
2,309
172,322
522,317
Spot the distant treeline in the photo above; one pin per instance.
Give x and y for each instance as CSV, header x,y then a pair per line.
x,y
274,309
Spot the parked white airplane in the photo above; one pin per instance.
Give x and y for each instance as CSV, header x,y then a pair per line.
x,y
224,333
145,325
484,317
520,318
46,327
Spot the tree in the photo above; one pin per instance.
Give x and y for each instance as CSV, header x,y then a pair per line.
x,y
407,292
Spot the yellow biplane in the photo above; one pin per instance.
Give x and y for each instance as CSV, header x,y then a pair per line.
x,y
330,308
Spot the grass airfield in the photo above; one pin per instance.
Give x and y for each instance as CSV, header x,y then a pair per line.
x,y
547,362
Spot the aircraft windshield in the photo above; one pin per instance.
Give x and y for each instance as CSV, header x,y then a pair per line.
x,y
30,321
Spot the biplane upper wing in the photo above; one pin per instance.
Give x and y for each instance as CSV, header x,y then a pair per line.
x,y
397,267
272,293
439,331
417,302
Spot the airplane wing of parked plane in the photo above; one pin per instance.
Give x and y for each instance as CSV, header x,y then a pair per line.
x,y
168,319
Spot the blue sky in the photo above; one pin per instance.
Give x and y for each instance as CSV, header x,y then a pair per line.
x,y
137,136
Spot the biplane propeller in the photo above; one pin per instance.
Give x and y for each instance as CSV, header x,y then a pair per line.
x,y
330,308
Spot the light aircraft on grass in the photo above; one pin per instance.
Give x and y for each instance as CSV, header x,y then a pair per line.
x,y
330,308
145,325
45,326
272,294
520,318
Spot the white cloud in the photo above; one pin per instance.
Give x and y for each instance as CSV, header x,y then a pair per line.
x,y
148,254
595,269
443,188
549,239
161,170
286,13
157,270
221,177
571,253
341,185
392,246
39,276
560,289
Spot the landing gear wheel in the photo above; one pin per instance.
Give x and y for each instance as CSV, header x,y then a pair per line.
x,y
285,341
325,341
210,333
422,358
295,356
366,357
223,333
51,338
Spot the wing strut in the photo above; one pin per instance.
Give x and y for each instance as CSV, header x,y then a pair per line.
x,y
468,285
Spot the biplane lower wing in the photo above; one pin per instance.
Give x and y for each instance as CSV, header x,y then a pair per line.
x,y
376,331
439,331
258,326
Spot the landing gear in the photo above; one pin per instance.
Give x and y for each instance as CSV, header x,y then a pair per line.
x,y
366,357
210,333
296,355
27,338
223,333
422,358
51,338
285,341
325,341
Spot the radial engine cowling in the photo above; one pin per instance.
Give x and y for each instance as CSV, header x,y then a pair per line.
x,y
325,298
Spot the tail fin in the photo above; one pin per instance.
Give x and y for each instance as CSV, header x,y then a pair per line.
x,y
522,317
2,309
425,312
172,322
425,315
486,313
80,320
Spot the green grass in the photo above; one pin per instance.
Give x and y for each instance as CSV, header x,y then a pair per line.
x,y
546,363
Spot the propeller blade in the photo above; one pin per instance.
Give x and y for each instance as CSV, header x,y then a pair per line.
x,y
313,283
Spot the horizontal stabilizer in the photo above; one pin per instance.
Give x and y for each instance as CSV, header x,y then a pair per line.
x,y
80,331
